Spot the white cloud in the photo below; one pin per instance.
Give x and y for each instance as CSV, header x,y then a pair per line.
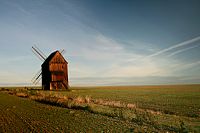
x,y
139,68
102,47
80,70
190,65
106,57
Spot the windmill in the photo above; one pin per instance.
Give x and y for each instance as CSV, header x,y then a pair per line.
x,y
53,72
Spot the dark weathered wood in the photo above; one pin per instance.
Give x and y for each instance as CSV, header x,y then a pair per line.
x,y
55,72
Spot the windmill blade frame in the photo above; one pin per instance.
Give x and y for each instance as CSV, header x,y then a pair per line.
x,y
62,51
39,57
38,53
36,75
36,79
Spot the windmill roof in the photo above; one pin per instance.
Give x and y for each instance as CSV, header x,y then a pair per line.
x,y
48,59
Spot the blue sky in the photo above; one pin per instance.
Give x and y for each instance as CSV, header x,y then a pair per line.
x,y
107,42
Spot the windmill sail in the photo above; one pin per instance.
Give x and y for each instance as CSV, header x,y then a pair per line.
x,y
38,53
39,57
42,57
37,79
36,75
62,51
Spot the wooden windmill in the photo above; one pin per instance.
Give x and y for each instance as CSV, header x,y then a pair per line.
x,y
54,70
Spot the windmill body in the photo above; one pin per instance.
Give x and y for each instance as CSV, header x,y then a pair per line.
x,y
54,72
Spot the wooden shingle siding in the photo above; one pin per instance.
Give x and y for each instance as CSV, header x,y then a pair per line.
x,y
55,72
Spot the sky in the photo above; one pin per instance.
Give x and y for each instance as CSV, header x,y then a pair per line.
x,y
106,42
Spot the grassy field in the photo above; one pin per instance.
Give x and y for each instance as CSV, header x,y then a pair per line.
x,y
181,100
158,108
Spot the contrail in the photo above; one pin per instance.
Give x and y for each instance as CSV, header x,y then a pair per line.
x,y
182,50
176,46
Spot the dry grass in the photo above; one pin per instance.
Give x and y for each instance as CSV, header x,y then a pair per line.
x,y
21,94
99,106
110,103
131,106
79,100
114,109
87,99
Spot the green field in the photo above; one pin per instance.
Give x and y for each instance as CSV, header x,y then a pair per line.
x,y
180,100
23,115
172,108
